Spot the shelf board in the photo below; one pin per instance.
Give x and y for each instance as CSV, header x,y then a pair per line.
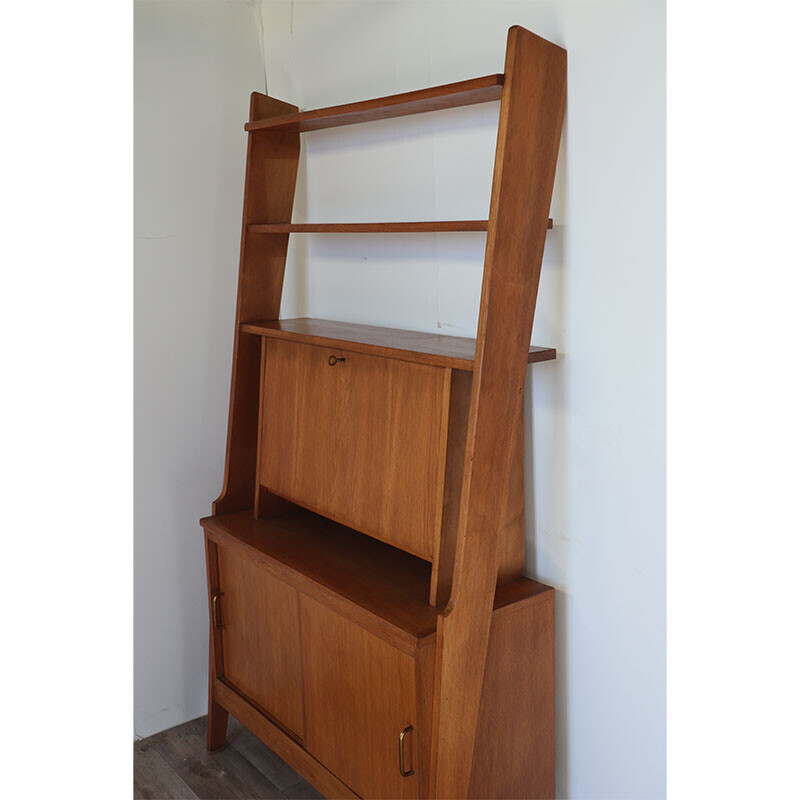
x,y
435,98
435,349
311,551
439,226
344,568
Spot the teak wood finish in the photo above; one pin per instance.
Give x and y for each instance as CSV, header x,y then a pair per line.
x,y
360,692
435,98
456,352
354,618
353,447
531,114
268,197
441,226
259,620
370,618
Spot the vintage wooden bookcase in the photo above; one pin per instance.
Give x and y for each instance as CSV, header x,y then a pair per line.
x,y
370,617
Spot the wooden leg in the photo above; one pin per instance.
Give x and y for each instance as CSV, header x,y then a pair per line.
x,y
217,716
217,727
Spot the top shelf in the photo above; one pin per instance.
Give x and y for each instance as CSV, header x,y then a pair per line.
x,y
435,98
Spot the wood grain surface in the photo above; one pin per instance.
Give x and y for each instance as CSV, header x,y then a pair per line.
x,y
440,226
360,441
515,744
531,114
360,694
382,588
418,347
435,98
261,637
269,188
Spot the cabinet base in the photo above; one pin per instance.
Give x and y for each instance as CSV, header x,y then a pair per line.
x,y
281,743
514,755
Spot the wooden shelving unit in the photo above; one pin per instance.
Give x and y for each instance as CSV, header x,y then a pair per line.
x,y
370,618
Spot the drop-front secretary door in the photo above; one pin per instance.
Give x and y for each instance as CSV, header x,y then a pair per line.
x,y
360,698
358,438
260,627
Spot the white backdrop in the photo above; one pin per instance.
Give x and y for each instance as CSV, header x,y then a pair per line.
x,y
195,66
596,417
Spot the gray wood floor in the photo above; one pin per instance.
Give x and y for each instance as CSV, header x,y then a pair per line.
x,y
175,764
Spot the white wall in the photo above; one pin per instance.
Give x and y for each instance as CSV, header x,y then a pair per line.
x,y
195,65
596,435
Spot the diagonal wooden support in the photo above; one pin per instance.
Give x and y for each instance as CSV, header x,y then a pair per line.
x,y
531,114
268,197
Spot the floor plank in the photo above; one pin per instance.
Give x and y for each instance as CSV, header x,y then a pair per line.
x,y
212,776
302,791
154,779
174,765
258,754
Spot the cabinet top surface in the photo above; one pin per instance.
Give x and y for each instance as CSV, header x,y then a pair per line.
x,y
375,576
316,554
435,349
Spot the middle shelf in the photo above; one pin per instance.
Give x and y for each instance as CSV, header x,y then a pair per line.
x,y
456,352
438,226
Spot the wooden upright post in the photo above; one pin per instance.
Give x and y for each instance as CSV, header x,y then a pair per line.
x,y
531,114
272,160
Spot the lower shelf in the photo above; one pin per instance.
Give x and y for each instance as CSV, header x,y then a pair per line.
x,y
378,584
375,584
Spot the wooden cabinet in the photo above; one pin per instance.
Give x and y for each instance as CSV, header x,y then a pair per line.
x,y
370,618
358,438
330,669
259,623
360,697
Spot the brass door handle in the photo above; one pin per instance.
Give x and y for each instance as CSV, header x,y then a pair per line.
x,y
405,773
215,610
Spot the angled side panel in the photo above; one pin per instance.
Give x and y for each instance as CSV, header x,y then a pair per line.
x,y
531,114
515,747
272,160
512,541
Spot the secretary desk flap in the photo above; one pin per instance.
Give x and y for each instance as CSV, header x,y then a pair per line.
x,y
358,438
